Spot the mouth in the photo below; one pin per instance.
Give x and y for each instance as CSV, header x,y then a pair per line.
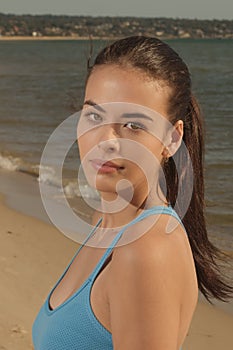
x,y
105,167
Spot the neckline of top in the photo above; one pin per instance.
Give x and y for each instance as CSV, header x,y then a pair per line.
x,y
140,216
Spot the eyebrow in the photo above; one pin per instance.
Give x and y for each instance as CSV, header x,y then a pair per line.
x,y
124,115
136,115
95,105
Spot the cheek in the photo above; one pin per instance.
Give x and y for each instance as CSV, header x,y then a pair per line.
x,y
84,145
157,150
154,147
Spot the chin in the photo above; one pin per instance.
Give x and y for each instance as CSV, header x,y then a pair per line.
x,y
104,186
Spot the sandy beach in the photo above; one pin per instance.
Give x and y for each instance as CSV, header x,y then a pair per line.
x,y
33,254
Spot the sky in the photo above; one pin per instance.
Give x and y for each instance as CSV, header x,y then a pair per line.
x,y
200,9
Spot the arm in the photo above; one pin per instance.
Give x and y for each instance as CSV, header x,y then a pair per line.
x,y
145,294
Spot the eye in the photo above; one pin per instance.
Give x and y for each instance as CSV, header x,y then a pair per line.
x,y
93,117
134,126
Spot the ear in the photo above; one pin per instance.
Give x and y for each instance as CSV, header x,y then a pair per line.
x,y
174,139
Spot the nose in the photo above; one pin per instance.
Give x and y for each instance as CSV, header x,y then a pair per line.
x,y
109,141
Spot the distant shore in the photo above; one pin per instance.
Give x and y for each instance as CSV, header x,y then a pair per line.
x,y
41,38
112,26
17,37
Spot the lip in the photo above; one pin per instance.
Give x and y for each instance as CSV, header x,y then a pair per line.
x,y
104,166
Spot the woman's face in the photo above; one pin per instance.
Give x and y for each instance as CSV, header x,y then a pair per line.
x,y
121,128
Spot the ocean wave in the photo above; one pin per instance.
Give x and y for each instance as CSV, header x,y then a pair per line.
x,y
9,163
73,189
13,163
47,175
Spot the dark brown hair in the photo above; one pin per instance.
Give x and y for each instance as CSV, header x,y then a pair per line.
x,y
160,62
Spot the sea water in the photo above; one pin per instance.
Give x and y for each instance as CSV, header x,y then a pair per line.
x,y
42,83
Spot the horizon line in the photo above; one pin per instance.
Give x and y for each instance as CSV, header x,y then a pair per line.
x,y
116,16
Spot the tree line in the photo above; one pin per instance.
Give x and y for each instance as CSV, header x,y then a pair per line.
x,y
100,27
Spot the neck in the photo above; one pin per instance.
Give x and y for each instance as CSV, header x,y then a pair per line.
x,y
116,211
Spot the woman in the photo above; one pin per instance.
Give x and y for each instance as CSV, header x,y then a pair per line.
x,y
133,285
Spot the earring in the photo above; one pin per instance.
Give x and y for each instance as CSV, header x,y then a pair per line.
x,y
166,155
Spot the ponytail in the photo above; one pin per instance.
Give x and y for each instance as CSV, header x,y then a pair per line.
x,y
210,280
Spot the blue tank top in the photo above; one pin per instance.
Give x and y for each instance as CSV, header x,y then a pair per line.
x,y
73,325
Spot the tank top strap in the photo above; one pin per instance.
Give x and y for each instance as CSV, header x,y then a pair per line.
x,y
148,212
91,233
82,245
159,210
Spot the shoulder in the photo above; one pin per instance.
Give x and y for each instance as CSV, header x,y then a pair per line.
x,y
155,264
146,283
155,249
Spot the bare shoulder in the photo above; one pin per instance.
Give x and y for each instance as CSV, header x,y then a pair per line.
x,y
156,248
150,280
160,259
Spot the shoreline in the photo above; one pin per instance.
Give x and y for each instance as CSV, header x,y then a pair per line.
x,y
33,254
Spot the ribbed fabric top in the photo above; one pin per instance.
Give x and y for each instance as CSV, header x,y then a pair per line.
x,y
73,325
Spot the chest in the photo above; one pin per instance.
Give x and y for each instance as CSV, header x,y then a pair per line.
x,y
77,274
